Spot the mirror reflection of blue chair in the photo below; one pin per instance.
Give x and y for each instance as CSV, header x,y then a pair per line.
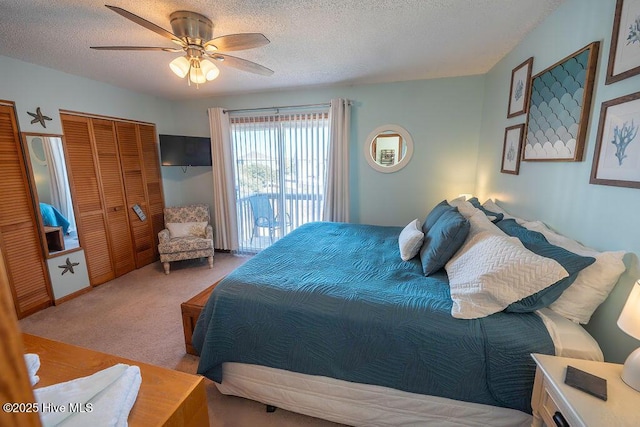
x,y
264,216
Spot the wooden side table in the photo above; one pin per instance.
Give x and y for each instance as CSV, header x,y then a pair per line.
x,y
552,397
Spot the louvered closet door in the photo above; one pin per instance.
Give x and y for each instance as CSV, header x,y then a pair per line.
x,y
19,233
135,190
91,218
153,178
113,195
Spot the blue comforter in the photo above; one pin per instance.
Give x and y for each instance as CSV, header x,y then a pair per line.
x,y
336,300
51,216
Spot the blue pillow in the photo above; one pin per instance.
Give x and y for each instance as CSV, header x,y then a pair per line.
x,y
443,240
538,244
435,213
476,204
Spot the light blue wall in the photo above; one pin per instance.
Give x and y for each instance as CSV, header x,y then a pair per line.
x,y
559,193
31,86
442,116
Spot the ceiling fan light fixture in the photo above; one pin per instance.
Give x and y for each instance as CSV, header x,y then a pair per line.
x,y
193,32
180,66
196,75
209,70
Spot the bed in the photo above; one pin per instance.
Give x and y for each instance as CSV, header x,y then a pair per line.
x,y
331,322
52,217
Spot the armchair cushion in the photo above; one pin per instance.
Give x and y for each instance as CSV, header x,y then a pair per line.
x,y
185,244
187,229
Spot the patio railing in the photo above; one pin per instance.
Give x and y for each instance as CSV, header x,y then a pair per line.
x,y
298,209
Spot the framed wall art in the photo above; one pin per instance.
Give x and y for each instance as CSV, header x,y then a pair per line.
x,y
624,54
616,160
511,149
559,108
519,91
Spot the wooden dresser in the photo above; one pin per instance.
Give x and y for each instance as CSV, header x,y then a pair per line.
x,y
166,397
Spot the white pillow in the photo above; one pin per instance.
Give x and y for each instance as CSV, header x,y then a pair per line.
x,y
464,207
593,284
410,240
480,222
493,271
490,205
187,229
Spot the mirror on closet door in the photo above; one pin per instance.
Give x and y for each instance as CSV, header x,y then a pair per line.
x,y
51,192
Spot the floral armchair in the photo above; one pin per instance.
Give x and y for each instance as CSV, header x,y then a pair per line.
x,y
187,235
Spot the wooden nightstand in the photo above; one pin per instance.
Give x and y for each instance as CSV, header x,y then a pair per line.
x,y
190,312
552,396
55,238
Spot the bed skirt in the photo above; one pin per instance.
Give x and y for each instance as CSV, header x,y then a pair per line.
x,y
358,404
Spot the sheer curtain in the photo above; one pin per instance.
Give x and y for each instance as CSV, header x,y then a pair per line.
x,y
336,194
224,199
58,179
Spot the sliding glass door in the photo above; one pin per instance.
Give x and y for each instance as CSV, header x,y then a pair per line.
x,y
280,171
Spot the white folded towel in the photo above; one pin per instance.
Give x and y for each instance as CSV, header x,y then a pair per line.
x,y
102,399
33,364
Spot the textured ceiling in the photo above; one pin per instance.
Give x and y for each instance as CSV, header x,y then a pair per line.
x,y
313,43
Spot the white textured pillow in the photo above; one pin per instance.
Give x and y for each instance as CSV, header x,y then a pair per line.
x,y
410,240
186,229
493,271
593,284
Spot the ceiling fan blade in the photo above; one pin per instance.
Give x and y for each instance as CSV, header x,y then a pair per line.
x,y
233,42
240,64
165,49
148,25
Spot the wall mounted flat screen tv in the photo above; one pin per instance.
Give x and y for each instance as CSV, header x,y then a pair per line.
x,y
178,150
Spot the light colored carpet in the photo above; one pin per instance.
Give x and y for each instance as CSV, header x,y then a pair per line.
x,y
138,316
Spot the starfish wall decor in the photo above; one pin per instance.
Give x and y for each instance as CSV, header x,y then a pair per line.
x,y
39,117
68,266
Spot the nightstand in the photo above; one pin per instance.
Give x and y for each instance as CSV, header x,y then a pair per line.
x,y
552,397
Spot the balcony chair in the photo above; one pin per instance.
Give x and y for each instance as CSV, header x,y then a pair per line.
x,y
187,235
263,216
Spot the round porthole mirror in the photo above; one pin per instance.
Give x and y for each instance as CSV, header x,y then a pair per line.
x,y
36,150
388,148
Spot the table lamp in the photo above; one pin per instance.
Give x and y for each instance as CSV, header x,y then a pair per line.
x,y
629,322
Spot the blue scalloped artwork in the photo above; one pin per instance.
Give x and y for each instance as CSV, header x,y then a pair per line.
x,y
556,106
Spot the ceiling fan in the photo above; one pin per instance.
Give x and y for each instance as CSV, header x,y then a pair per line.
x,y
193,33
